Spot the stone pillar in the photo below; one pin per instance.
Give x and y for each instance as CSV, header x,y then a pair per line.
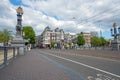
x,y
19,21
18,40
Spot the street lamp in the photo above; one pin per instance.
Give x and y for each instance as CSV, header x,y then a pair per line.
x,y
119,30
111,31
116,41
114,31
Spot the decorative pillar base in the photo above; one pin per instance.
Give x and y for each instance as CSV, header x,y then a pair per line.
x,y
115,45
18,41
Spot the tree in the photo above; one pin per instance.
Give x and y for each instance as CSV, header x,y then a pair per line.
x,y
4,36
95,41
103,41
29,34
52,44
80,40
1,36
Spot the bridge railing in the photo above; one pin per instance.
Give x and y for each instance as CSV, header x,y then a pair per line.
x,y
7,53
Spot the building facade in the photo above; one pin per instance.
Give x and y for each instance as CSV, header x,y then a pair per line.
x,y
87,37
94,33
49,36
61,38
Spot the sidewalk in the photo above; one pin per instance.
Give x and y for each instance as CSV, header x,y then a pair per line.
x,y
32,66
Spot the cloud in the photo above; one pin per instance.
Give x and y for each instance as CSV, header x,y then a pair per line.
x,y
8,15
71,16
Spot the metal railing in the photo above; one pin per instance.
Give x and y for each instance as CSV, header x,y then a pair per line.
x,y
7,53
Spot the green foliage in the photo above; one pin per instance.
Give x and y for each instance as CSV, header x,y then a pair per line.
x,y
29,34
1,36
4,36
95,41
103,41
80,40
52,44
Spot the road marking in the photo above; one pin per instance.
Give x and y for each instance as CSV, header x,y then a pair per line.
x,y
108,59
85,65
67,70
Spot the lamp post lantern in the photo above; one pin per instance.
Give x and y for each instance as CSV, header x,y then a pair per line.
x,y
119,30
111,31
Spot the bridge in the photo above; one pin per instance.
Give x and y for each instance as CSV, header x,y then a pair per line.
x,y
42,64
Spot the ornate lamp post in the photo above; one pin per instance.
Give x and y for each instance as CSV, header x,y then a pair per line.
x,y
19,21
18,40
116,41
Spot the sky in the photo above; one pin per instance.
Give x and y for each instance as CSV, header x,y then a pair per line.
x,y
73,16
